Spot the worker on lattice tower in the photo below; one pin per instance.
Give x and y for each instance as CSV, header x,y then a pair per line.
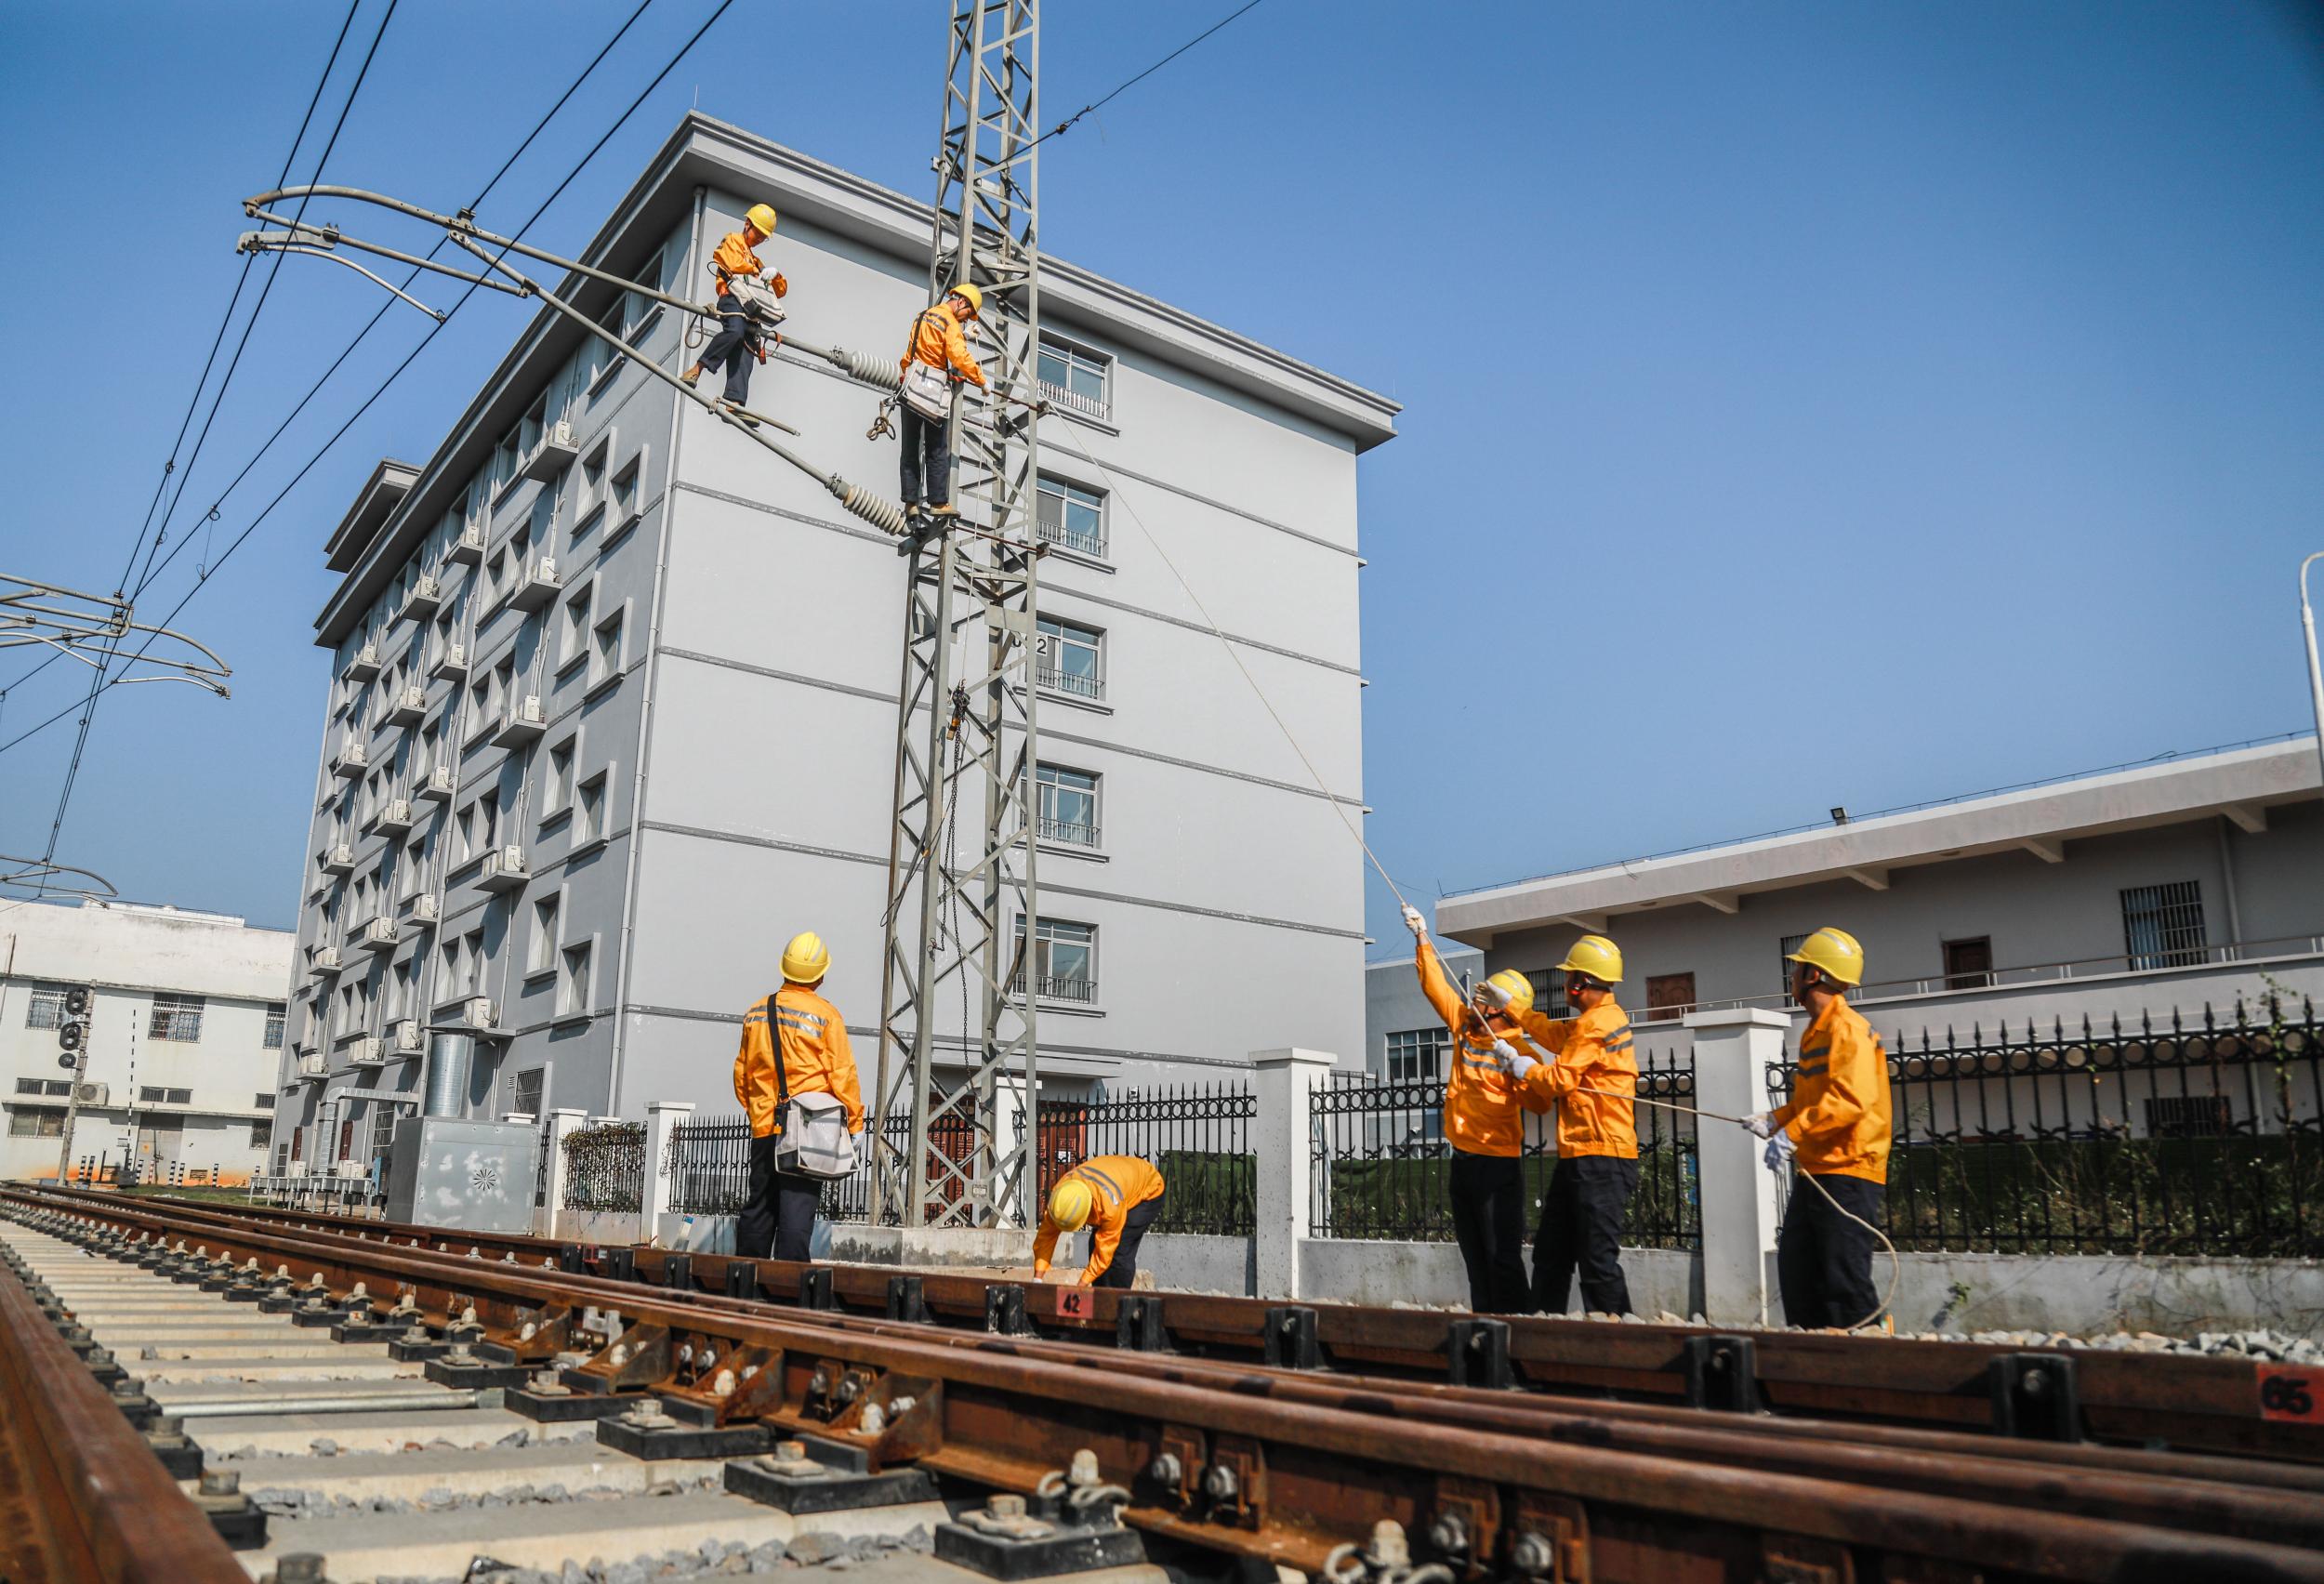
x,y
936,360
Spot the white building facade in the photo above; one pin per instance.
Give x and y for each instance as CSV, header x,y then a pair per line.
x,y
614,698
183,1035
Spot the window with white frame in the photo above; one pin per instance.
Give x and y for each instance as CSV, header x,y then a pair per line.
x,y
527,1091
1071,516
1069,659
1417,1055
606,657
1075,376
277,1015
1063,959
543,955
176,1018
1068,804
572,981
46,1008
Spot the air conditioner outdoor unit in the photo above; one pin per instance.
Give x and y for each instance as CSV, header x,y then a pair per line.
x,y
93,1094
481,1013
536,585
363,663
468,547
424,908
408,1036
410,704
437,784
452,665
553,453
425,596
327,961
368,1051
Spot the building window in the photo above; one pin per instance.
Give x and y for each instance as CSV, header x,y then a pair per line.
x,y
175,1017
261,1135
1417,1055
606,662
1074,376
590,494
1068,805
43,1086
30,1122
573,639
543,956
46,1007
264,1101
2189,1116
1069,659
2162,926
588,820
472,963
572,983
527,1091
1069,515
1668,996
625,505
1549,993
277,1014
1969,964
1065,960
152,1095
557,794
1784,948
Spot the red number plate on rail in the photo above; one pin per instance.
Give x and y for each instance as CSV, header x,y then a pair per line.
x,y
2293,1393
1075,1303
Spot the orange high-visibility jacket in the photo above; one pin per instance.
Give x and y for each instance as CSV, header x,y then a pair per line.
x,y
1593,1052
1837,1116
937,340
1483,1115
1121,1184
734,257
816,1057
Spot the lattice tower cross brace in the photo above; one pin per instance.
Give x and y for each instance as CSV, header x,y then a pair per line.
x,y
962,890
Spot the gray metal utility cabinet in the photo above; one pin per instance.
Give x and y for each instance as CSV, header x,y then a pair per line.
x,y
477,1176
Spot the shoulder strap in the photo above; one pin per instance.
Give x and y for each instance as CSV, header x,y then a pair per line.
x,y
774,1044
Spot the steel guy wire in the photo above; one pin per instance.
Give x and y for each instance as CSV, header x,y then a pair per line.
x,y
1067,125
382,389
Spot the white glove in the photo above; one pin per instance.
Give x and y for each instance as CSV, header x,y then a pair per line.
x,y
1494,995
1515,1062
1763,1124
1413,921
1779,1151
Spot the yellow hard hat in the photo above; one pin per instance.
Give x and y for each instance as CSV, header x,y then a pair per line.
x,y
1595,955
805,960
1834,951
1515,988
974,293
1070,1204
762,216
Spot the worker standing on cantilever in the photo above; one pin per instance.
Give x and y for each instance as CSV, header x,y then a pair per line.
x,y
1484,1124
1837,1124
794,1043
737,344
1590,1082
937,357
1119,1198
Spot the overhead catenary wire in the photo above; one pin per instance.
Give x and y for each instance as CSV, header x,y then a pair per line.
x,y
1067,125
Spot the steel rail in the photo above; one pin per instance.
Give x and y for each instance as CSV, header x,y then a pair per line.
x,y
2196,1404
1328,1470
81,1497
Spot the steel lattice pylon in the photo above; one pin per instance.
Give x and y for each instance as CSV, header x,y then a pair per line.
x,y
961,893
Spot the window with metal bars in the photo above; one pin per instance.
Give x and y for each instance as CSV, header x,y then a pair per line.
x,y
276,1014
1068,804
1417,1055
175,1017
46,1008
1069,515
2162,926
1784,948
1064,960
1075,376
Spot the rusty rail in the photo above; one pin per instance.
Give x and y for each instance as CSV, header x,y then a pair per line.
x,y
2207,1405
81,1497
1316,1461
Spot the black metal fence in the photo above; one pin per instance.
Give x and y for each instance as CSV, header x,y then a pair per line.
x,y
709,1169
2203,1138
1198,1134
1383,1170
605,1167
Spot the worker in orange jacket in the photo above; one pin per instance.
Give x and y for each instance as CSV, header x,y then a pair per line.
x,y
1485,1125
1117,1197
1589,1081
1836,1128
738,344
936,360
794,1041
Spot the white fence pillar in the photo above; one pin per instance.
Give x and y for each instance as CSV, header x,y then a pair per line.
x,y
1733,1050
563,1122
1281,1145
1012,1122
663,1118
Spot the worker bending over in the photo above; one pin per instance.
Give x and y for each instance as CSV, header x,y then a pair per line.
x,y
738,344
936,360
1590,1082
794,1043
1117,1197
1484,1124
1837,1124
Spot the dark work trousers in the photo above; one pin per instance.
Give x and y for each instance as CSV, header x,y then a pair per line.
x,y
1488,1211
1122,1270
925,459
1581,1228
733,348
781,1212
1823,1260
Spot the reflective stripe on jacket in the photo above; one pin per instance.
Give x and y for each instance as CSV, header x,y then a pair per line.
x,y
816,1058
1593,1052
1482,1112
1120,1184
938,341
1837,1116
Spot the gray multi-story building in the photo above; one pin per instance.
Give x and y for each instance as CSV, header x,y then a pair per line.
x,y
612,709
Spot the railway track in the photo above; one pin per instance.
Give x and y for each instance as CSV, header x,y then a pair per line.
x,y
1205,1458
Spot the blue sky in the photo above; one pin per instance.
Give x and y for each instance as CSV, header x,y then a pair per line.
x,y
1806,403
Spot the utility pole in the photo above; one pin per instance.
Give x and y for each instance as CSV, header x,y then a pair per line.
x,y
72,1039
961,893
